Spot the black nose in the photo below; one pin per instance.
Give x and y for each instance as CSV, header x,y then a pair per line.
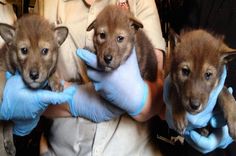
x,y
108,59
194,104
34,74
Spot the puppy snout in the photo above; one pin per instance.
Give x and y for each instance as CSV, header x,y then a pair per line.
x,y
108,59
34,74
194,104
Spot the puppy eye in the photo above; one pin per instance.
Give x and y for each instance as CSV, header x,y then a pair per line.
x,y
24,51
102,35
44,51
185,71
208,75
120,38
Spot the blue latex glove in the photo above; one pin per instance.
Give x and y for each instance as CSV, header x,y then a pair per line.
x,y
24,106
124,86
219,138
89,104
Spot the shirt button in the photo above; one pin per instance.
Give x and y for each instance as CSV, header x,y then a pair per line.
x,y
97,152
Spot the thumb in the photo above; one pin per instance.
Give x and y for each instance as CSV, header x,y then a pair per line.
x,y
131,64
70,90
16,80
210,142
132,59
8,75
230,89
218,120
46,97
87,56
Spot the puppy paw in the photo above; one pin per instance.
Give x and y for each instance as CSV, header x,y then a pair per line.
x,y
204,131
180,123
56,86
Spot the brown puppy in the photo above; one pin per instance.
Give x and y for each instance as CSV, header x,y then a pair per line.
x,y
116,32
197,60
32,49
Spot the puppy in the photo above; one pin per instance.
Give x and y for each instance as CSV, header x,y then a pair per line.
x,y
116,32
32,50
197,60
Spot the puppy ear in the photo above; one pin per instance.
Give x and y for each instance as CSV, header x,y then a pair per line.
x,y
60,34
135,23
91,26
227,54
7,32
174,39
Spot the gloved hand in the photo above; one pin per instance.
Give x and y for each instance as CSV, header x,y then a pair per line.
x,y
218,119
89,104
219,138
124,86
24,106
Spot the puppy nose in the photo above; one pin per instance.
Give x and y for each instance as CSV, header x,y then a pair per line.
x,y
194,104
34,74
108,59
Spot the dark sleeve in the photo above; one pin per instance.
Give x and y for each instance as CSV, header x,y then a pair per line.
x,y
184,14
191,12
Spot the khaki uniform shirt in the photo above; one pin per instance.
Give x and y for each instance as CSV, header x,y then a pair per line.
x,y
77,136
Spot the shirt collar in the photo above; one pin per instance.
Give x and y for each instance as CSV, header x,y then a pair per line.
x,y
65,0
68,0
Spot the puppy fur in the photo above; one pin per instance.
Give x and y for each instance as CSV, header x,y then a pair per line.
x,y
116,32
32,49
197,60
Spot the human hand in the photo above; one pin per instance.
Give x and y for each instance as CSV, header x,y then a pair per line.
x,y
124,86
218,138
89,104
24,106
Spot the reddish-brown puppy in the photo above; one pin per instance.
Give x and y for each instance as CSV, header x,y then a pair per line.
x,y
32,49
197,61
116,32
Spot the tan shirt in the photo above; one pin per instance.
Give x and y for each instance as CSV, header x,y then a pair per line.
x,y
77,136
